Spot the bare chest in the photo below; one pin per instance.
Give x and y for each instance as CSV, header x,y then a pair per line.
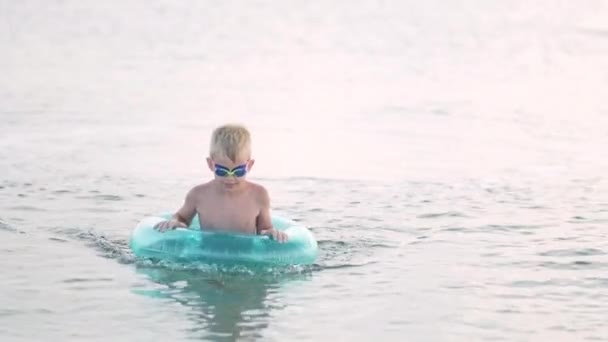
x,y
236,214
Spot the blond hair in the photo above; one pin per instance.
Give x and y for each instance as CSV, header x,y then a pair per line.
x,y
231,141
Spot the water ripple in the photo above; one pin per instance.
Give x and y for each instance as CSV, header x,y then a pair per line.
x,y
574,265
27,208
86,280
572,252
442,215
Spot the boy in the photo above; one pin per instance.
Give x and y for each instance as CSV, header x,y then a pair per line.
x,y
228,202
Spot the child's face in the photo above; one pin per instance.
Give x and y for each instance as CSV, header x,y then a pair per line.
x,y
230,173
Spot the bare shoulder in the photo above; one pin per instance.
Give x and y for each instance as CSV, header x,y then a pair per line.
x,y
199,191
259,192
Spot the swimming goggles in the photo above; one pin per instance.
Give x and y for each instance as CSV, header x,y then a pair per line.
x,y
223,171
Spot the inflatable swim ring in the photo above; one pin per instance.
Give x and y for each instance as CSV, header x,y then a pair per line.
x,y
195,245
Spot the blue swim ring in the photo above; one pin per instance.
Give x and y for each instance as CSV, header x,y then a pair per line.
x,y
187,245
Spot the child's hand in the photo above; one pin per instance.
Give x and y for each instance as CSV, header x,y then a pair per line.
x,y
169,224
276,235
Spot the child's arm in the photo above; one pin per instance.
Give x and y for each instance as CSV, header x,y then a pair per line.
x,y
264,221
183,217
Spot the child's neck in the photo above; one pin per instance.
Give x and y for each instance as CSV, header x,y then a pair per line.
x,y
236,190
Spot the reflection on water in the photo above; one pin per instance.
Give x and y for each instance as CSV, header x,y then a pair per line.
x,y
223,305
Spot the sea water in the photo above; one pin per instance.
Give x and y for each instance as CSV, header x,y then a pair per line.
x,y
448,156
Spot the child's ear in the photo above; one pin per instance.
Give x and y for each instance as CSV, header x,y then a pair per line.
x,y
250,164
210,164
